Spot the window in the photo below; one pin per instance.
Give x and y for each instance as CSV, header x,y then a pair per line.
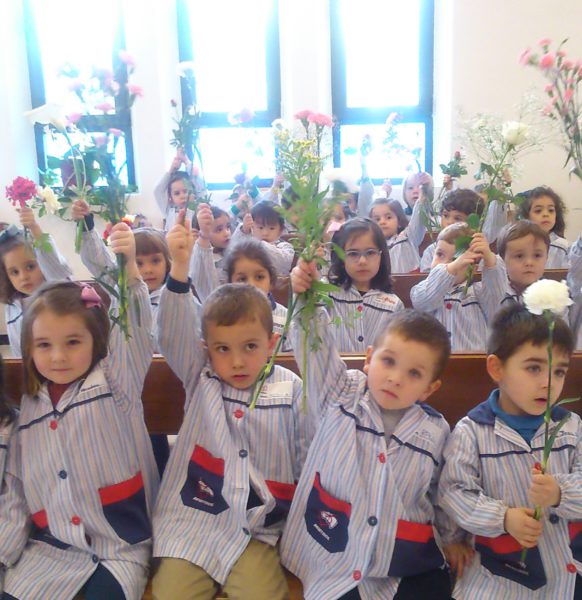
x,y
60,57
382,63
235,50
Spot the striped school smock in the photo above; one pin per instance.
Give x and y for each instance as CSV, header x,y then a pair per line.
x,y
5,433
403,246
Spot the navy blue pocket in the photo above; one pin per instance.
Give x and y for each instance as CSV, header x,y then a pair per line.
x,y
327,518
502,557
415,550
40,531
124,506
575,530
203,486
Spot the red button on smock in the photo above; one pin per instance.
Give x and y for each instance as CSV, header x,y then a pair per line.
x,y
53,425
382,457
76,520
571,568
238,413
357,575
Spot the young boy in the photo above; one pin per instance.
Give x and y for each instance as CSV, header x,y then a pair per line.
x,y
361,523
442,293
231,475
456,207
490,480
266,224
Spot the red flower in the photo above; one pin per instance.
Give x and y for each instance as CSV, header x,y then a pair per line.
x,y
21,190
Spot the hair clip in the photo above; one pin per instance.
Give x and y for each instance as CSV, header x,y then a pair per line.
x,y
10,232
90,297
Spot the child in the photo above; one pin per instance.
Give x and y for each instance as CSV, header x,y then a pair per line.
x,y
464,313
403,238
490,480
340,215
363,517
24,269
7,416
207,269
364,302
232,472
267,225
545,208
412,190
80,466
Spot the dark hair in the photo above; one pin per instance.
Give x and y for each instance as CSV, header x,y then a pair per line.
x,y
354,228
264,212
514,326
216,214
346,210
288,197
7,411
517,230
395,207
421,327
152,241
524,207
234,303
177,176
7,291
62,298
464,200
451,233
252,249
136,222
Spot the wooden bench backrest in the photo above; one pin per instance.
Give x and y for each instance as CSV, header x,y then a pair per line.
x,y
465,384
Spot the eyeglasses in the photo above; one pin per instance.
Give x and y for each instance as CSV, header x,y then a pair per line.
x,y
369,254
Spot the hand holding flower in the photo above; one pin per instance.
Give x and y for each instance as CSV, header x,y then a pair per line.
x,y
480,245
80,209
247,224
521,525
544,490
122,241
205,221
28,221
459,556
303,275
180,243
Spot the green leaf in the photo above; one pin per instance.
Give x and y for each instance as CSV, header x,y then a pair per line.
x,y
339,251
462,243
550,441
322,286
473,221
567,401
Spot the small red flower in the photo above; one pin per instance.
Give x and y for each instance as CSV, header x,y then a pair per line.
x,y
21,190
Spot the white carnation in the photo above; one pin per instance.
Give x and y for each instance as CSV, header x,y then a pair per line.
x,y
547,294
336,174
49,113
50,199
514,132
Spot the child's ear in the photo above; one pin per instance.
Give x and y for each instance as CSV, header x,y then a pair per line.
x,y
431,389
369,353
494,367
273,341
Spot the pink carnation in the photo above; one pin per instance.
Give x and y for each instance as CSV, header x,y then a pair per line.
x,y
135,90
549,88
105,106
126,58
547,110
74,117
561,53
320,119
116,132
567,65
568,94
547,60
303,114
525,57
545,42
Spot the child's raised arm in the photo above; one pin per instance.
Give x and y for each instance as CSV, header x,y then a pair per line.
x,y
202,270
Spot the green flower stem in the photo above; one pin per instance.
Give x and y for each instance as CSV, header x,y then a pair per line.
x,y
122,285
80,183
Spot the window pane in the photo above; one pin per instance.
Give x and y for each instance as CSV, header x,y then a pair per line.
x,y
234,150
382,44
64,28
382,162
228,47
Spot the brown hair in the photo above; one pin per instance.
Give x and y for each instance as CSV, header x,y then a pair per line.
x,y
524,207
451,233
464,200
395,207
421,327
514,326
251,249
61,298
234,303
518,230
152,241
7,291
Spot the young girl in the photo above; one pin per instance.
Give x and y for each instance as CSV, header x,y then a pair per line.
x,y
80,466
23,269
412,190
403,238
364,302
545,208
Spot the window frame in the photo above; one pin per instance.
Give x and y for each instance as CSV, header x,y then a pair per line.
x,y
91,123
421,113
214,119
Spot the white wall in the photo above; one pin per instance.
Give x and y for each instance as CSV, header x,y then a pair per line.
x,y
477,45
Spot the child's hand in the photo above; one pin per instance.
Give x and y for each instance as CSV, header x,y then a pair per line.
x,y
247,224
205,221
243,203
27,220
195,236
80,209
480,245
459,266
180,243
544,490
521,525
387,187
303,275
459,556
122,240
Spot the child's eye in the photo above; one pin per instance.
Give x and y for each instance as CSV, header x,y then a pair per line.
x,y
252,346
240,279
222,349
388,360
42,345
31,266
415,373
534,369
260,277
74,342
560,373
13,272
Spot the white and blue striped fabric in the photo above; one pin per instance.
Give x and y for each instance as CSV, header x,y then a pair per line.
x,y
465,315
354,488
81,478
206,271
280,251
5,433
231,475
558,253
403,246
54,268
487,470
360,318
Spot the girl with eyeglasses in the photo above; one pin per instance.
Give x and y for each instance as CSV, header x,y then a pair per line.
x,y
364,302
